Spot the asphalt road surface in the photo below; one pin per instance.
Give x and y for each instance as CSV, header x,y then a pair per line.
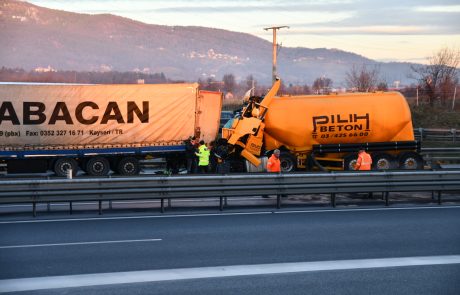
x,y
346,251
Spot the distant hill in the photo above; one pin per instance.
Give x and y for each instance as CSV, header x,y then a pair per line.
x,y
32,37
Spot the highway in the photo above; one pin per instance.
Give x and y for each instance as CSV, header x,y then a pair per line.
x,y
412,250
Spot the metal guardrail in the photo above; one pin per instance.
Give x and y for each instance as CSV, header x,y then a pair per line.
x,y
434,157
221,186
441,135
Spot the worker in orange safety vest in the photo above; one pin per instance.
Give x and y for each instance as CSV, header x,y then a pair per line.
x,y
273,164
364,161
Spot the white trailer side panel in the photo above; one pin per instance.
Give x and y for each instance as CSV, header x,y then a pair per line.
x,y
44,116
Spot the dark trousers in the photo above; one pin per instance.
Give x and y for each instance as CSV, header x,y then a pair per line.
x,y
203,169
223,168
191,165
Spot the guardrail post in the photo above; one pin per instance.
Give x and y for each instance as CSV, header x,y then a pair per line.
x,y
100,207
162,205
70,208
169,203
439,198
110,204
34,209
278,201
387,201
333,200
221,203
48,206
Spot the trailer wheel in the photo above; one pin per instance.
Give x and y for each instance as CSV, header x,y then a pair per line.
x,y
383,161
349,162
98,166
287,162
128,166
410,161
61,166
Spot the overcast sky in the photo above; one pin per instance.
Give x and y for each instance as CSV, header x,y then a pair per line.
x,y
391,30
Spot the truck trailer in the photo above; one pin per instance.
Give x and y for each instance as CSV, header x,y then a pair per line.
x,y
325,131
98,128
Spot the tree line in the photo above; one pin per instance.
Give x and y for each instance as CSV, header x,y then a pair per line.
x,y
436,82
110,77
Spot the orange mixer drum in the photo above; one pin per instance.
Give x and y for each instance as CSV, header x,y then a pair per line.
x,y
298,122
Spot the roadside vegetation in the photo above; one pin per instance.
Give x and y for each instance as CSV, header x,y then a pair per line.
x,y
435,117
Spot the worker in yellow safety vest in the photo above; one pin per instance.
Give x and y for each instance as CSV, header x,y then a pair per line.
x,y
203,157
364,161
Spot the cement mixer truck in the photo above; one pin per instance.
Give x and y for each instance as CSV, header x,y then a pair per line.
x,y
325,131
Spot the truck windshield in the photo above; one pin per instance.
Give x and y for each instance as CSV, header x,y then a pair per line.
x,y
229,123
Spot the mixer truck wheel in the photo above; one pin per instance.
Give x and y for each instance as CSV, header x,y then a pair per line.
x,y
63,164
128,166
98,166
349,162
410,161
382,161
287,162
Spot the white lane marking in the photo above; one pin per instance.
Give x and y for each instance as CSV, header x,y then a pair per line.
x,y
229,214
99,279
79,243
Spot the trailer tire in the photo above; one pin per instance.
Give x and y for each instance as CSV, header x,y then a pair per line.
x,y
128,166
349,162
98,166
288,162
383,161
61,166
410,161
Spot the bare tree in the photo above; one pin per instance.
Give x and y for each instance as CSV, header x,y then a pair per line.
x,y
322,85
229,82
439,78
382,86
362,79
251,83
293,89
210,84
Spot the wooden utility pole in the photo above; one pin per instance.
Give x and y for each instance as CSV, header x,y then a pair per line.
x,y
274,49
453,99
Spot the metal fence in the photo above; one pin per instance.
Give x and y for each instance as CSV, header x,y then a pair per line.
x,y
435,157
221,186
440,135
